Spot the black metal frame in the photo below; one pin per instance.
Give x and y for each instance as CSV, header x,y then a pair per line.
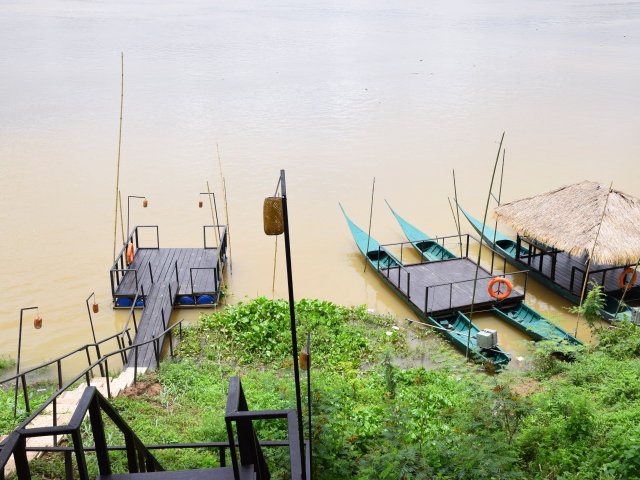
x,y
119,267
242,440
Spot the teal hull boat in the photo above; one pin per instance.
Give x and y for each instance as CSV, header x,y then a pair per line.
x,y
521,316
507,248
454,327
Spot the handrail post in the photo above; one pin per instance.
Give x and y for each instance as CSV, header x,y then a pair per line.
x,y
99,437
106,364
426,299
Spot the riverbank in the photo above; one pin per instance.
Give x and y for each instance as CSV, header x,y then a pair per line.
x,y
377,416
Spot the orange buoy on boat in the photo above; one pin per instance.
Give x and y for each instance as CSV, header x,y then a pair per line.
x,y
623,278
130,253
497,293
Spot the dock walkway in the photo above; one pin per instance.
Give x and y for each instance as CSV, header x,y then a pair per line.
x,y
159,279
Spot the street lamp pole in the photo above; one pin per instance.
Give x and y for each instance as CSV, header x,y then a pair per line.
x,y
15,400
144,205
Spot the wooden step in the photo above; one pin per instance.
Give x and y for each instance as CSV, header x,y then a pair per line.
x,y
222,473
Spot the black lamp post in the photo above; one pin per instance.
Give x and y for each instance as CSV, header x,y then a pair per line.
x,y
95,309
37,323
145,202
214,208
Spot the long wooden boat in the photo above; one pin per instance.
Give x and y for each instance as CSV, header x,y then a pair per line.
x,y
521,316
455,327
507,248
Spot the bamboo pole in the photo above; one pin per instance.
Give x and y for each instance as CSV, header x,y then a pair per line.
x,y
455,196
366,254
226,206
115,214
593,248
121,218
484,222
455,221
273,281
495,226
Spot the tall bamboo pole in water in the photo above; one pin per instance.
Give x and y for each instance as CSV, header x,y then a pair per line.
x,y
366,254
484,222
121,218
115,214
226,208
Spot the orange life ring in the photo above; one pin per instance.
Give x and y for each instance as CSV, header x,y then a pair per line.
x,y
623,278
496,293
130,253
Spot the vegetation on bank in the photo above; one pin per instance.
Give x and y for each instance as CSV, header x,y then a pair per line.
x,y
375,420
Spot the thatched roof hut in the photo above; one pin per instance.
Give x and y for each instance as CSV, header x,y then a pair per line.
x,y
568,219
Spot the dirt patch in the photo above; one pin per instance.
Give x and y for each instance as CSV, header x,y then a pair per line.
x,y
149,389
527,387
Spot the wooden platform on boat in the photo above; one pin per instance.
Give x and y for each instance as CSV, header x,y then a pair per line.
x,y
441,287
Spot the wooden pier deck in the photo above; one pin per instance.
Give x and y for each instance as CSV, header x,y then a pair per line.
x,y
161,279
444,286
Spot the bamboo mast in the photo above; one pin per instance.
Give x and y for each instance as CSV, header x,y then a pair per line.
x,y
593,248
484,222
366,254
495,226
121,218
115,215
457,221
226,207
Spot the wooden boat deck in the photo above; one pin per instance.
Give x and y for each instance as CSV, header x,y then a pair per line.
x,y
441,287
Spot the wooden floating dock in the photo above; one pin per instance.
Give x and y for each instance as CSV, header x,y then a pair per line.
x,y
161,279
444,286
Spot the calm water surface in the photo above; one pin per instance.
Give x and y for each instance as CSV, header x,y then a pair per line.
x,y
336,93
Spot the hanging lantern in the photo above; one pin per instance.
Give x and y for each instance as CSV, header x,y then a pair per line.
x,y
304,359
95,307
37,322
145,203
200,204
273,216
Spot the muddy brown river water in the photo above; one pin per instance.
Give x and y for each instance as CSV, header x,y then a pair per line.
x,y
336,93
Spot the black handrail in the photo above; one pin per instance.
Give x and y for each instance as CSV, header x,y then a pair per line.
x,y
139,458
85,373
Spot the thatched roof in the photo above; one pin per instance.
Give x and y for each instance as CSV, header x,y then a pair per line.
x,y
568,219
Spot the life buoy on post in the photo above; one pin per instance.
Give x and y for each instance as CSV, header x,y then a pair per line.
x,y
130,253
623,278
497,293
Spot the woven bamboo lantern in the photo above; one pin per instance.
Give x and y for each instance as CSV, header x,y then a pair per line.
x,y
273,216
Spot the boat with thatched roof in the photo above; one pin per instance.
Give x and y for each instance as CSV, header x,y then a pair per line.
x,y
572,239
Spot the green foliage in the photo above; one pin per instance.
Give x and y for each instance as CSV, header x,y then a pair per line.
x,y
258,332
375,420
591,305
38,393
6,363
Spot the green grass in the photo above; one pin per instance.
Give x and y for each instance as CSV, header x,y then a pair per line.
x,y
373,419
